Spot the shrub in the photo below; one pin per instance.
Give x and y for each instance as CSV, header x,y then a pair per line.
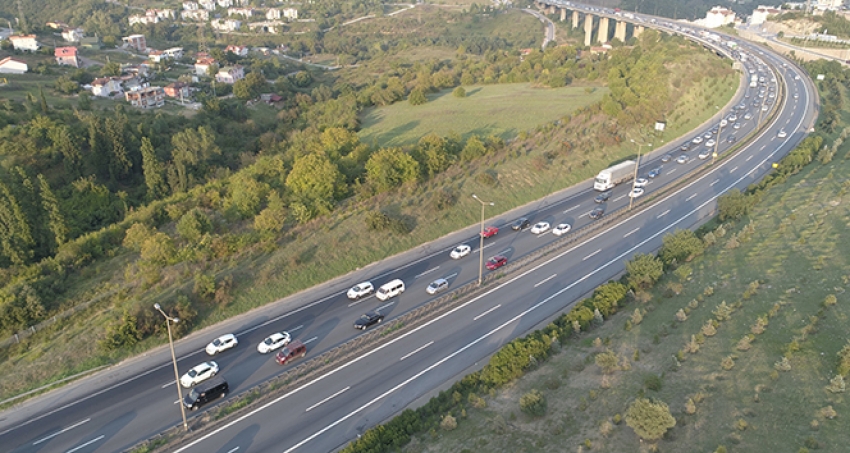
x,y
476,401
653,382
533,403
459,92
193,225
745,343
828,412
692,346
608,361
690,406
727,363
649,419
830,300
836,384
844,360
448,423
783,365
723,311
681,316
637,317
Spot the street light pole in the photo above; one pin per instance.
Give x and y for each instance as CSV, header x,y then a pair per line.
x,y
168,321
481,239
717,142
637,163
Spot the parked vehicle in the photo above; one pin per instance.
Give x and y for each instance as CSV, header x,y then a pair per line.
x,y
610,177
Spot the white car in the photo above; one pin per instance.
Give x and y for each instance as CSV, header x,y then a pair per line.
x,y
199,374
360,290
222,343
683,159
709,143
705,154
697,140
563,228
748,116
636,192
733,117
437,286
540,227
273,342
796,96
723,123
796,77
782,133
641,182
460,251
737,125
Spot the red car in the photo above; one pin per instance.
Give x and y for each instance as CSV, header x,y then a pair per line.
x,y
291,351
496,262
490,231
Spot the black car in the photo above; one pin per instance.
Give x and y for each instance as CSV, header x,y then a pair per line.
x,y
597,213
603,197
521,223
731,139
205,392
368,320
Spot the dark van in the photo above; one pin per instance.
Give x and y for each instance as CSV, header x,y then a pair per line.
x,y
205,392
291,351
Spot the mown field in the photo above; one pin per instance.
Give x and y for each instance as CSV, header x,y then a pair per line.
x,y
758,382
502,110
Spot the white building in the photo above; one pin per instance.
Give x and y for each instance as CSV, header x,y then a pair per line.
x,y
273,14
760,14
199,15
244,12
24,42
241,51
202,66
137,42
226,24
718,17
73,34
143,20
230,74
225,3
10,65
833,5
174,53
290,13
190,6
106,86
208,5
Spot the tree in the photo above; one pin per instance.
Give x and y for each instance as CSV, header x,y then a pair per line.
x,y
15,234
417,97
272,218
158,249
607,361
316,182
389,168
56,220
680,246
650,419
191,148
432,152
533,403
733,205
193,225
459,92
153,171
473,149
111,69
644,270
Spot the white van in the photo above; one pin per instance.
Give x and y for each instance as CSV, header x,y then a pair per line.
x,y
391,289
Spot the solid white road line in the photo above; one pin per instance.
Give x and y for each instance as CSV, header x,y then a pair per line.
x,y
428,271
591,255
60,432
691,197
361,300
486,313
86,444
631,232
663,214
545,280
416,350
327,399
310,340
574,207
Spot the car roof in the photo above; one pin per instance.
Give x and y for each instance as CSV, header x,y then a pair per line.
x,y
209,384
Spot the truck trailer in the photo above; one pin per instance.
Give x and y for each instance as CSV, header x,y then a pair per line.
x,y
610,177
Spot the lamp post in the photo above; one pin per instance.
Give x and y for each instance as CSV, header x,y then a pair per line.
x,y
481,238
717,142
168,321
637,163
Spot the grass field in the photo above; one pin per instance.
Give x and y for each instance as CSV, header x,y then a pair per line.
x,y
503,110
780,264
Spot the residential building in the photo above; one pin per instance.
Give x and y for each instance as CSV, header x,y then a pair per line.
x,y
190,6
230,74
73,34
833,5
141,70
718,16
57,25
225,3
199,15
226,24
208,5
273,14
90,42
240,51
202,66
143,19
156,56
290,13
10,65
760,14
137,42
67,56
162,14
174,53
24,42
146,98
132,83
265,27
244,12
177,90
106,86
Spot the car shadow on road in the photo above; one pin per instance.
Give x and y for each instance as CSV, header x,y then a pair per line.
x,y
242,440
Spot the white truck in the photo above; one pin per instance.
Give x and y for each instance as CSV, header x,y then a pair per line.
x,y
610,177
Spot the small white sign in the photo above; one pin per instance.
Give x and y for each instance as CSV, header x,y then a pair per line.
x,y
820,76
659,126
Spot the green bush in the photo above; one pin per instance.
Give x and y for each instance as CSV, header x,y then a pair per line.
x,y
533,403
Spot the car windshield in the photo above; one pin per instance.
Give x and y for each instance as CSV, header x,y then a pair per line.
x,y
365,317
268,341
193,395
284,352
217,342
192,373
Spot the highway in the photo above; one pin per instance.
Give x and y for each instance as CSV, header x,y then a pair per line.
x,y
132,401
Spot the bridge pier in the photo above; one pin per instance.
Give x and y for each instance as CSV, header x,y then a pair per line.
x,y
620,31
638,31
588,30
563,14
602,33
575,19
